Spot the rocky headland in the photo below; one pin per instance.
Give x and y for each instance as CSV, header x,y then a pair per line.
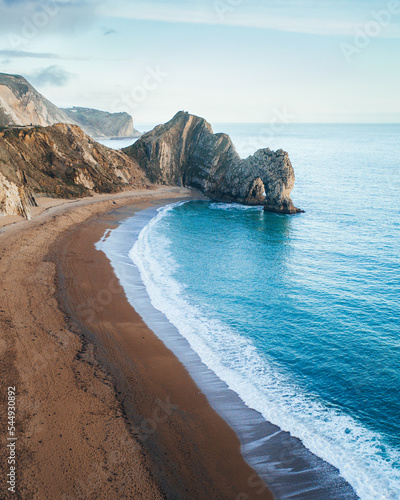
x,y
185,152
43,153
59,161
101,124
22,105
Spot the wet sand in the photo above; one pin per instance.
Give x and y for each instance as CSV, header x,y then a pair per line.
x,y
104,409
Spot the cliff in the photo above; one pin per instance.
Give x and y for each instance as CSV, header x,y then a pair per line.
x,y
60,161
21,104
63,161
101,124
185,152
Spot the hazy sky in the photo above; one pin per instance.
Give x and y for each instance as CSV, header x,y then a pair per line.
x,y
226,60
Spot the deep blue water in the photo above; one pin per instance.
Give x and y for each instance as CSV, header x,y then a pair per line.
x,y
299,314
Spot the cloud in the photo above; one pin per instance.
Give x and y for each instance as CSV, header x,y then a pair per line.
x,y
24,54
54,76
31,55
28,20
315,17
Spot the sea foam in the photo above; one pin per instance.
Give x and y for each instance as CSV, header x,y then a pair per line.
x,y
358,453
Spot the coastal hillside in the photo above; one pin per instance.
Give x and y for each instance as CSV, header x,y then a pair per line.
x,y
101,124
185,152
59,161
22,105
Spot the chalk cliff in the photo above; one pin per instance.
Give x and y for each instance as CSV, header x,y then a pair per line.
x,y
21,104
101,124
60,161
185,152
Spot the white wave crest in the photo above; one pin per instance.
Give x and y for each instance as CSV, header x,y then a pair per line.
x,y
329,433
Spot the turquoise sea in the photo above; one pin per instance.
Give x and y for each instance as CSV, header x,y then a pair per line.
x,y
297,315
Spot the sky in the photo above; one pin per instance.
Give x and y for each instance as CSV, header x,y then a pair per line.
x,y
225,60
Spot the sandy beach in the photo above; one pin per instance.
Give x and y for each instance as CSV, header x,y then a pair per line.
x,y
103,408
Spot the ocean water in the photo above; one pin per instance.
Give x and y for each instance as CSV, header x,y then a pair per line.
x,y
119,143
298,315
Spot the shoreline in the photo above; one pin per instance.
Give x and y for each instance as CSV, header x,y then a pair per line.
x,y
281,460
75,439
198,455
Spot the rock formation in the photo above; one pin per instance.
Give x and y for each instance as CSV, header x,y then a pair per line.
x,y
100,124
60,161
185,152
15,199
22,105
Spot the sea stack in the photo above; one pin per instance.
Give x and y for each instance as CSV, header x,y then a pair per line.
x,y
186,152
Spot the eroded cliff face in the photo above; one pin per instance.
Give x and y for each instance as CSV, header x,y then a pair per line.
x,y
60,161
101,124
185,152
15,199
22,105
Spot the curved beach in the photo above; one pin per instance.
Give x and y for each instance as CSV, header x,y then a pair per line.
x,y
104,409
289,468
